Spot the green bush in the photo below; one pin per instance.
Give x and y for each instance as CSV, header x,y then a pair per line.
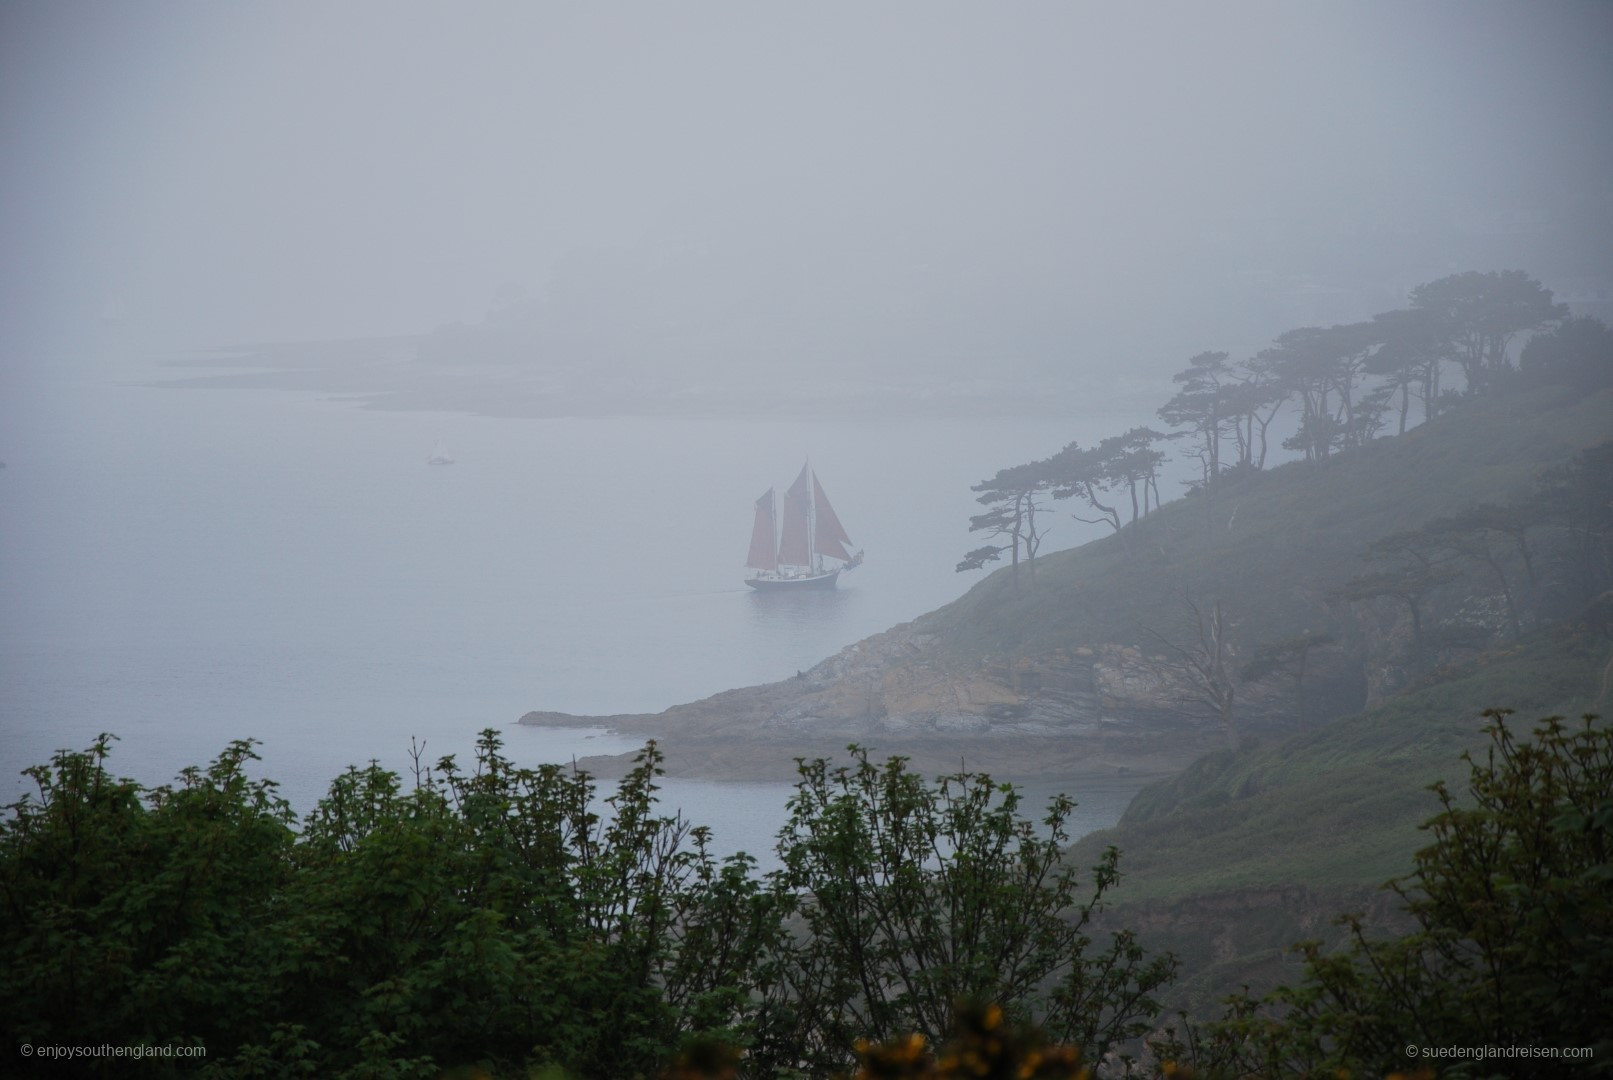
x,y
915,896
489,916
496,921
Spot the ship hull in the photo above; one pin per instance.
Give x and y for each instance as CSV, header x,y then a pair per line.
x,y
792,584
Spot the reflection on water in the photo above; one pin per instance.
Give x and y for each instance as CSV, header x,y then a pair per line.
x,y
805,611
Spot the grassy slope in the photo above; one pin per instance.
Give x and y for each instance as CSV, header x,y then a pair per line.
x,y
1274,543
1339,805
1231,863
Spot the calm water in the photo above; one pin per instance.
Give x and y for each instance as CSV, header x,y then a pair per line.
x,y
183,568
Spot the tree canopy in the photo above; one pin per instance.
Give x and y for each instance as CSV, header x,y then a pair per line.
x,y
1577,353
1337,386
1477,316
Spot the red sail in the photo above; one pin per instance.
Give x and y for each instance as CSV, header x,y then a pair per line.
x,y
794,549
763,544
828,535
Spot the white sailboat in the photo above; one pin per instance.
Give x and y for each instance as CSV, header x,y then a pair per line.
x,y
793,558
439,456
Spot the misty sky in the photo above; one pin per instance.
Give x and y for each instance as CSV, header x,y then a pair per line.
x,y
1044,185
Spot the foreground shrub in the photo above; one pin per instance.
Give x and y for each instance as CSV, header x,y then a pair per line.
x,y
137,917
499,921
1513,948
917,895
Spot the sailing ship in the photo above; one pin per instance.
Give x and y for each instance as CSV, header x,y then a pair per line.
x,y
439,456
792,557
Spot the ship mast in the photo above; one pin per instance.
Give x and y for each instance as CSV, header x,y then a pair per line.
x,y
764,536
812,523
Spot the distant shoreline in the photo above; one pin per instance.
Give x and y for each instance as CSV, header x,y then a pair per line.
x,y
381,374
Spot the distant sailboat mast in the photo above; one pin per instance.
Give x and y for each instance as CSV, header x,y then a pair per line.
x,y
812,516
764,536
795,545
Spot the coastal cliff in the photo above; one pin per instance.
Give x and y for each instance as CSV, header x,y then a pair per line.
x,y
1092,662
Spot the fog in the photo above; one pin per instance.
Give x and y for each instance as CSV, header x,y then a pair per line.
x,y
1087,191
521,209
378,374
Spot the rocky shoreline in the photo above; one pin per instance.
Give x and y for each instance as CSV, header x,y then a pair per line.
x,y
1087,712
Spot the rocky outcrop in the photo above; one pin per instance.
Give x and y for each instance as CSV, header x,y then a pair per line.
x,y
1088,710
1457,626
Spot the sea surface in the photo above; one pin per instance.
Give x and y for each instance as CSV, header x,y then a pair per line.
x,y
186,567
